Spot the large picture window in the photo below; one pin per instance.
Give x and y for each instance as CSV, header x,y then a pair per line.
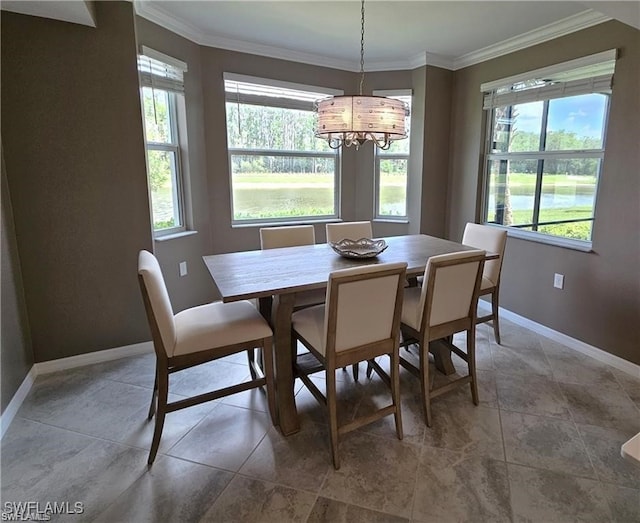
x,y
162,84
279,170
546,148
391,169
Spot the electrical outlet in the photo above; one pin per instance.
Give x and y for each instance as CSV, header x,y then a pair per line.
x,y
183,268
558,281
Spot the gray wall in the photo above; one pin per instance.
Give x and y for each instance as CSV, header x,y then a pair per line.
x,y
600,303
74,153
16,356
437,123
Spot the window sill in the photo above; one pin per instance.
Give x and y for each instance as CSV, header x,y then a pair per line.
x,y
283,223
391,220
174,236
565,243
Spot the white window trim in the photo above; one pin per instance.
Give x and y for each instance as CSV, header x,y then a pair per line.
x,y
286,103
161,57
173,85
379,155
585,61
516,232
234,77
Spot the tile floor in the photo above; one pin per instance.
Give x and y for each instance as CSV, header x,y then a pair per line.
x,y
543,446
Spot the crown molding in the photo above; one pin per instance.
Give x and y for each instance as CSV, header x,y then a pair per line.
x,y
280,53
548,32
190,32
163,19
545,33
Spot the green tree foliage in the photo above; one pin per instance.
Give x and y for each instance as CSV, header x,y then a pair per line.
x,y
159,169
556,141
274,128
157,130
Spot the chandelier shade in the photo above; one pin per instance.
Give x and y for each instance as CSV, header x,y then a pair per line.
x,y
353,120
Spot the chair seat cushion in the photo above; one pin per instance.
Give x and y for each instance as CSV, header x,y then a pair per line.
x,y
411,307
309,324
217,325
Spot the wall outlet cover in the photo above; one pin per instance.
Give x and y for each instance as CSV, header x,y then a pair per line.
x,y
558,281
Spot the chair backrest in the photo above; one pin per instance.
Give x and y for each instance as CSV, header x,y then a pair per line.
x,y
288,236
350,230
450,288
364,306
490,239
157,302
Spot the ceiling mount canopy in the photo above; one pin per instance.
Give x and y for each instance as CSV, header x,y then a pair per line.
x,y
354,120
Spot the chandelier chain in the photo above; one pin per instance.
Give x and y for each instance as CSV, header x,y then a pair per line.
x,y
361,47
346,121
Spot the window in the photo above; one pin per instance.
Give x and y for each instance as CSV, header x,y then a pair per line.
x,y
391,169
546,147
161,79
279,170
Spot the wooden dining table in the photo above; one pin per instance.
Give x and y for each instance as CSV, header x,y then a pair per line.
x,y
275,276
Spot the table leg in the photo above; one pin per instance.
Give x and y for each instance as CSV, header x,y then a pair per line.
x,y
265,305
287,413
442,357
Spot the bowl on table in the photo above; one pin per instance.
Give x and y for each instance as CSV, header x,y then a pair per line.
x,y
362,248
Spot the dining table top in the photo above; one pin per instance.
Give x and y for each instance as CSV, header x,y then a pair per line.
x,y
262,273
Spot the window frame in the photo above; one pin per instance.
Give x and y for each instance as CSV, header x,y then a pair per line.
x,y
281,103
541,155
172,86
379,155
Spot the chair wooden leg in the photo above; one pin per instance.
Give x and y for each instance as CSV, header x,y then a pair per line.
x,y
356,371
494,313
267,355
424,382
333,416
154,394
369,369
471,362
395,391
163,392
251,358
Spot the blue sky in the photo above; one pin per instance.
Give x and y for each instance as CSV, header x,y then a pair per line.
x,y
580,114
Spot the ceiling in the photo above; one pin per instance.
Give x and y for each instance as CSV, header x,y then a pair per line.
x,y
77,12
398,34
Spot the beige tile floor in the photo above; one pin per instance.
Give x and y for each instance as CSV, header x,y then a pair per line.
x,y
542,446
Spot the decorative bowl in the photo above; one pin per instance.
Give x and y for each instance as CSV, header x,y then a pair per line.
x,y
362,248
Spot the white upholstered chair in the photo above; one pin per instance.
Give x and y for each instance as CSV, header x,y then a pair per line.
x,y
293,236
287,236
350,230
199,335
444,305
490,239
361,320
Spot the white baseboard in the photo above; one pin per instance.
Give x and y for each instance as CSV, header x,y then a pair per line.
x,y
572,343
15,403
71,362
100,356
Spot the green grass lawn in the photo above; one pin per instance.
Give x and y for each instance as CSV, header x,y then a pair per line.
x,y
561,184
277,195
